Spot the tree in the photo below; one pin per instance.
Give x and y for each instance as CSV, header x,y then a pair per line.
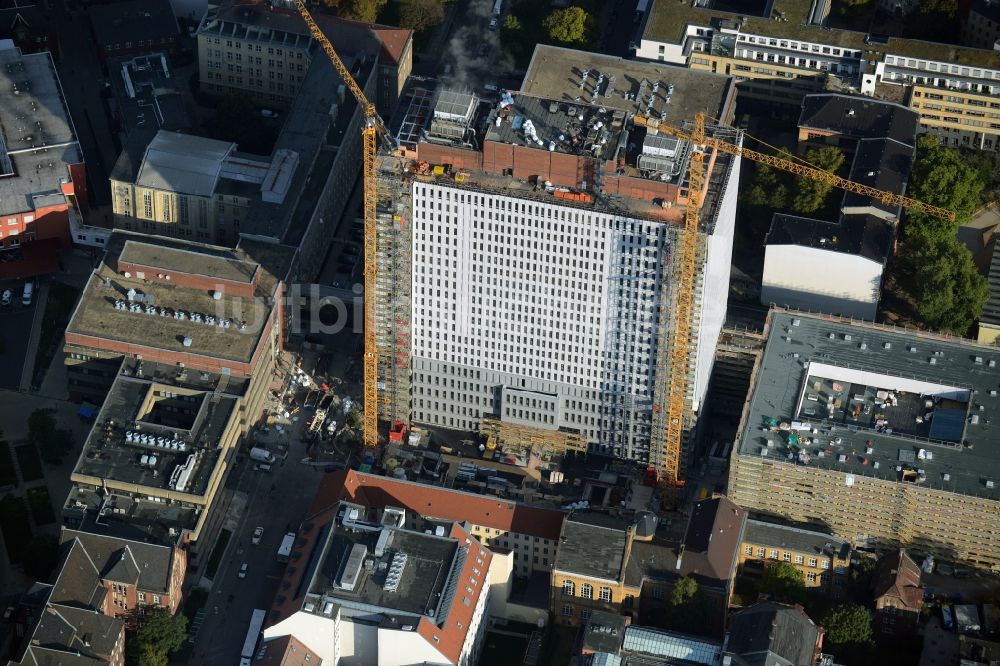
x,y
782,581
362,10
567,25
942,178
945,283
848,624
41,556
147,655
684,591
419,15
162,631
512,23
809,192
767,188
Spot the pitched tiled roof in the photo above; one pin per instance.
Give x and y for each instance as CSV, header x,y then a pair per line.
x,y
896,575
436,502
769,633
124,561
78,581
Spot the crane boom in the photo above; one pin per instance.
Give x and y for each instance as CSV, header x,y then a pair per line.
x,y
369,134
801,169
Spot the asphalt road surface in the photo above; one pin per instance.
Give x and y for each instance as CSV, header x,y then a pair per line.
x,y
15,329
277,500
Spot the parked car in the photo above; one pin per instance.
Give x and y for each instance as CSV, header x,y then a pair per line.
x,y
491,87
494,24
258,532
6,298
243,571
263,467
29,290
268,113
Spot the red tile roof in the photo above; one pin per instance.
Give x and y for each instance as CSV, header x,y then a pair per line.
x,y
897,576
445,503
450,638
391,40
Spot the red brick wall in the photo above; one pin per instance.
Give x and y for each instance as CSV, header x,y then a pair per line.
x,y
459,158
228,287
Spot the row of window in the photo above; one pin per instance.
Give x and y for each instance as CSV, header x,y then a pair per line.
x,y
787,557
586,591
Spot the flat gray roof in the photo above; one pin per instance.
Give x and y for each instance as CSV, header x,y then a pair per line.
x,y
556,73
590,546
181,423
34,120
868,400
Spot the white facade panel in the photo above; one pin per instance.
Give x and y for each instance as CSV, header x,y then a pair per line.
x,y
817,280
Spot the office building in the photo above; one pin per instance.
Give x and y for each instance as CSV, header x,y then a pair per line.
x,y
193,188
264,49
981,25
789,52
836,266
531,279
42,174
824,560
881,435
605,564
384,586
897,594
134,27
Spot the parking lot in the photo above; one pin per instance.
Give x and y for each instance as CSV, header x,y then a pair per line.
x,y
15,331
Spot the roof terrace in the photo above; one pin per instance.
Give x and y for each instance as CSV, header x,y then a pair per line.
x,y
875,401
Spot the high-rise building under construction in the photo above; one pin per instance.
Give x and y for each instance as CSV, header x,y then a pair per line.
x,y
527,252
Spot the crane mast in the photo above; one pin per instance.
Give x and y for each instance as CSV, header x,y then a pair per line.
x,y
369,134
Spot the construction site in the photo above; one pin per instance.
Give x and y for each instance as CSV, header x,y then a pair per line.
x,y
529,257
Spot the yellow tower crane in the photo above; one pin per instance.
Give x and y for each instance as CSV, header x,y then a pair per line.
x,y
680,353
374,127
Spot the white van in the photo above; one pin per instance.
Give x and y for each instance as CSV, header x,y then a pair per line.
x,y
29,291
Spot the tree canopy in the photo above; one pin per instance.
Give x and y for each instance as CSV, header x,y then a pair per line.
x,y
809,192
687,608
783,582
359,10
159,634
419,15
942,178
848,624
567,25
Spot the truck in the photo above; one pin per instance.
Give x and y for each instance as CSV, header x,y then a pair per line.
x,y
285,549
262,455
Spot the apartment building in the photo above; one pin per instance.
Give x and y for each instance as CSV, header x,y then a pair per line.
x,y
190,187
605,564
530,280
42,175
824,560
426,581
880,435
264,48
790,53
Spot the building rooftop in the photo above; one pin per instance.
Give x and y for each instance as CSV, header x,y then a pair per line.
x,y
861,399
183,163
865,235
441,503
883,164
181,260
671,646
155,435
592,545
859,117
991,311
39,141
897,576
794,19
158,325
795,538
135,562
147,94
149,21
670,93
604,632
769,633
